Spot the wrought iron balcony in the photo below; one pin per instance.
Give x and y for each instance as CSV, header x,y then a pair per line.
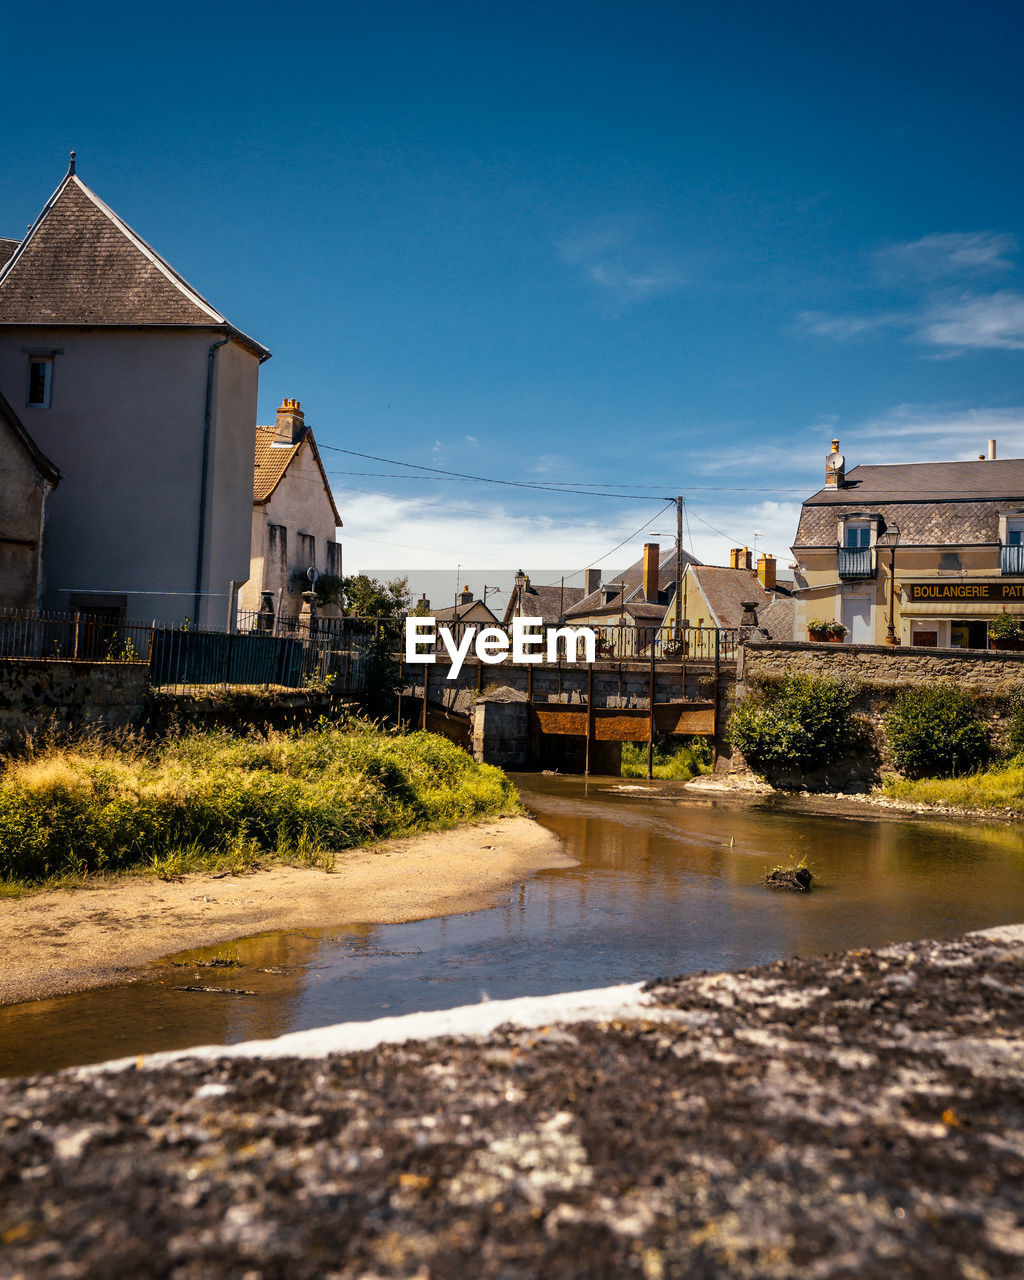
x,y
1011,559
857,562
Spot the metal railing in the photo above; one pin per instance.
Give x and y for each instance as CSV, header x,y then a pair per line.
x,y
337,653
856,562
1011,559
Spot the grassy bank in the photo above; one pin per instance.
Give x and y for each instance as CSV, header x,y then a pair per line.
x,y
1001,786
680,765
209,800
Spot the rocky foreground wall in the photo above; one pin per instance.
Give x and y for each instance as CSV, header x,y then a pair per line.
x,y
854,1117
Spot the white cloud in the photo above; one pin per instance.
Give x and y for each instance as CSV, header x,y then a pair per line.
x,y
949,254
619,258
909,433
995,321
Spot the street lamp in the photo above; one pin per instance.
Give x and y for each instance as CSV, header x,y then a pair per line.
x,y
890,538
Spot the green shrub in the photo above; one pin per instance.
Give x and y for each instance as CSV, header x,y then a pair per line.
x,y
935,732
1006,626
678,764
99,807
1015,720
800,723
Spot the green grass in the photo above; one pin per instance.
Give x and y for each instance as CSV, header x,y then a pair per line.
x,y
211,800
680,765
1001,786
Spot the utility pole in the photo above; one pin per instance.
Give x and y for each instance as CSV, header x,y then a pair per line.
x,y
679,571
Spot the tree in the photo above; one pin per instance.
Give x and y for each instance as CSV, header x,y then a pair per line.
x,y
366,597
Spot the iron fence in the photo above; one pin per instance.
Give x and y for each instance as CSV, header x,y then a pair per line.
x,y
336,653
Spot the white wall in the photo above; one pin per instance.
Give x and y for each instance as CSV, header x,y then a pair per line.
x,y
125,427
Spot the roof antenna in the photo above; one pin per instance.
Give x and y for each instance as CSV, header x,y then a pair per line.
x,y
71,166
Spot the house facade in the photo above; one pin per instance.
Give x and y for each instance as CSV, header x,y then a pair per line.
x,y
145,395
294,518
27,478
727,597
547,602
933,549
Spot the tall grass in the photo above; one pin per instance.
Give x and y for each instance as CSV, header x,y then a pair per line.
x,y
1001,786
680,765
208,798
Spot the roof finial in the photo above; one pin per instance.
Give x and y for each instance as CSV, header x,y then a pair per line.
x,y
71,166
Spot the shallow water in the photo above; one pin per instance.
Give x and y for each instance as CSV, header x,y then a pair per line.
x,y
666,884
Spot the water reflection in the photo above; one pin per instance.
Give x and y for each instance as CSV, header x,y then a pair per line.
x,y
665,884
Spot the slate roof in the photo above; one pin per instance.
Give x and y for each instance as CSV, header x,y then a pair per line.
x,y
272,461
80,264
42,463
630,581
777,617
7,247
934,503
544,602
448,613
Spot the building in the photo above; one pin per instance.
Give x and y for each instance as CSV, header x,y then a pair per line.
x,y
630,609
27,478
548,603
727,597
943,541
465,609
146,397
294,518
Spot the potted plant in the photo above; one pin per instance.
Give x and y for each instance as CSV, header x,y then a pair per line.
x,y
1006,631
825,632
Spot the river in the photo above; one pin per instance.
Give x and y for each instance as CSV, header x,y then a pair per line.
x,y
666,883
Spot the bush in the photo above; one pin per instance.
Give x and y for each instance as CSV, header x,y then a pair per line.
x,y
1006,626
935,732
1015,720
799,723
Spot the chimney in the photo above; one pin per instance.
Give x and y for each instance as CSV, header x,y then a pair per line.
x,y
835,468
466,596
651,554
423,603
766,571
593,581
992,450
291,425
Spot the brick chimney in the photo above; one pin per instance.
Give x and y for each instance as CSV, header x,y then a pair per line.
x,y
593,581
466,596
740,558
651,553
291,424
766,571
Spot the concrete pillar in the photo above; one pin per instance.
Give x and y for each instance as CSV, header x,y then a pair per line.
x,y
501,722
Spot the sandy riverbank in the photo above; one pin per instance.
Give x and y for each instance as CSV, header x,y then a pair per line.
x,y
69,940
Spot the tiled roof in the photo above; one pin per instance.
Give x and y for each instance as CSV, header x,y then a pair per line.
x,y
544,602
42,463
725,590
630,580
7,247
934,503
777,617
272,461
80,264
464,610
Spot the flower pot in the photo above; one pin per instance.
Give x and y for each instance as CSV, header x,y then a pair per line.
x,y
1012,645
824,637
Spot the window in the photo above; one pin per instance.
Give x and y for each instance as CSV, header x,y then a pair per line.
x,y
40,378
858,534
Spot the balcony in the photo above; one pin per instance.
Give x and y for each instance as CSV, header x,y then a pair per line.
x,y
857,562
1011,560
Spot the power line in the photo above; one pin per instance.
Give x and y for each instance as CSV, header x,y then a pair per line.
x,y
582,490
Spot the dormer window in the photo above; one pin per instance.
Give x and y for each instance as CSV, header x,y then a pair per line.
x,y
40,381
857,533
856,550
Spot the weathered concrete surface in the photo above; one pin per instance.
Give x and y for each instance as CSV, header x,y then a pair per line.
x,y
858,1116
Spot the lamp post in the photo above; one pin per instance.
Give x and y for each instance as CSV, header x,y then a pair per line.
x,y
890,538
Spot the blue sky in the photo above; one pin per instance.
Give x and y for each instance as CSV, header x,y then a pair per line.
x,y
673,246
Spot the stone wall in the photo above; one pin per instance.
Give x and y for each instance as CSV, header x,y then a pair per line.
x,y
986,672
879,673
35,693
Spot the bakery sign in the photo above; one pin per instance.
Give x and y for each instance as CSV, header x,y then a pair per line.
x,y
957,592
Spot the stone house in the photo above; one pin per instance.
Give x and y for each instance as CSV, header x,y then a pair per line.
x,y
294,518
628,611
942,541
27,478
146,396
548,603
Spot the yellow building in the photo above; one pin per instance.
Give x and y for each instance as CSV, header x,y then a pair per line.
x,y
942,541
